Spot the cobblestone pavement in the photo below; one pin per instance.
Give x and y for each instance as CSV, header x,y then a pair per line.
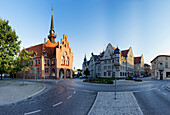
x,y
124,104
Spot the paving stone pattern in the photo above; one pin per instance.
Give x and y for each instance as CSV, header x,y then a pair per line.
x,y
125,104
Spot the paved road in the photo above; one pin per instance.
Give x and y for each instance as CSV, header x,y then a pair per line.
x,y
73,97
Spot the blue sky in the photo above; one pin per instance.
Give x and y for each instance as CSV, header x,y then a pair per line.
x,y
90,25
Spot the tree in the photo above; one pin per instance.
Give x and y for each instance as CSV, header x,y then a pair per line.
x,y
9,46
24,60
87,72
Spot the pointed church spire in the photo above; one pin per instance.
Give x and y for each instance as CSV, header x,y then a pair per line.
x,y
52,36
85,59
52,24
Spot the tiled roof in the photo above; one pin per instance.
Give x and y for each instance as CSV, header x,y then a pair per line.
x,y
37,48
40,49
124,53
137,60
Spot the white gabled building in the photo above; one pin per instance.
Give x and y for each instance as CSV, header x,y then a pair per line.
x,y
102,65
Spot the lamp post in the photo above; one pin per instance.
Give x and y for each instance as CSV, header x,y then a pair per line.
x,y
117,63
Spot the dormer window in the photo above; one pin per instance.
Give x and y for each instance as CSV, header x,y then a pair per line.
x,y
45,54
35,54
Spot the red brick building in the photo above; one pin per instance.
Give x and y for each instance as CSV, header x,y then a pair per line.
x,y
51,59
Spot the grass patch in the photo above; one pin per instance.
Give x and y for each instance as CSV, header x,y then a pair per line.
x,y
99,80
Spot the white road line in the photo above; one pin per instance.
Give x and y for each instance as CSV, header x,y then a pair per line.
x,y
38,91
32,112
69,97
86,91
164,93
70,88
57,104
74,92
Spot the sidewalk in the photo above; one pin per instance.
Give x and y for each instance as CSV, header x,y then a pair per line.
x,y
12,91
125,104
168,86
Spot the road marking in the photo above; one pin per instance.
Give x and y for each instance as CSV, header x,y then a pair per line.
x,y
74,92
69,97
57,104
70,88
32,112
87,91
164,93
38,91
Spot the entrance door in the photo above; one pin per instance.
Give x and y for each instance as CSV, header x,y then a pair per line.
x,y
161,76
61,73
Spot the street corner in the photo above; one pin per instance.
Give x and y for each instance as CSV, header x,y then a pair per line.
x,y
15,91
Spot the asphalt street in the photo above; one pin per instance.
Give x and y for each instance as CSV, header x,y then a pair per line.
x,y
74,97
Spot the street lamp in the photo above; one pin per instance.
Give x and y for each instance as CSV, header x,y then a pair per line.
x,y
117,63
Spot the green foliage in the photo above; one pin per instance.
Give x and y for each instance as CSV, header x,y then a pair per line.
x,y
24,60
105,81
87,72
9,47
138,80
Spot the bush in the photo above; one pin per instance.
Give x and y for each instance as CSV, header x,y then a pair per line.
x,y
138,80
129,78
99,80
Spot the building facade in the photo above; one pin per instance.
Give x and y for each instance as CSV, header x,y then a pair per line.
x,y
51,59
103,65
160,67
147,70
138,66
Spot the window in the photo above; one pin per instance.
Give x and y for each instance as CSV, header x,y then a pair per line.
x,y
106,57
60,47
38,61
105,62
45,62
113,61
109,73
62,60
35,54
46,70
109,67
112,67
166,65
65,53
113,74
67,61
120,73
109,61
166,58
45,54
104,73
48,62
105,67
67,44
65,38
38,70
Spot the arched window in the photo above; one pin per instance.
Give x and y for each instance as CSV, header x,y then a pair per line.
x,y
62,60
45,54
65,53
35,54
67,60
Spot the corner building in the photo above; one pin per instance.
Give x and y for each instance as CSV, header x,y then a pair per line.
x,y
51,59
